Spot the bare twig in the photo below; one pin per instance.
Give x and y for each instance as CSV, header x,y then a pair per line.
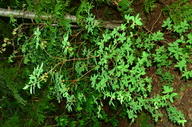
x,y
33,15
156,21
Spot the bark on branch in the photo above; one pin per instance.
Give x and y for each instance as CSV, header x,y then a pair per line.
x,y
32,15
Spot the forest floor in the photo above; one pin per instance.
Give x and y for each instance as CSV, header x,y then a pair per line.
x,y
153,22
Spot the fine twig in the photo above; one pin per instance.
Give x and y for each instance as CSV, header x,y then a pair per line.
x,y
155,22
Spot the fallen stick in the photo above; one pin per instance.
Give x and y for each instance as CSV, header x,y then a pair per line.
x,y
32,15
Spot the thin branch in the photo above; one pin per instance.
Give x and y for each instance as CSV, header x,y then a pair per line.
x,y
156,21
32,15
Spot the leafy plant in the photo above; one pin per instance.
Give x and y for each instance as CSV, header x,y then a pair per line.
x,y
125,7
89,67
144,120
149,5
176,11
176,116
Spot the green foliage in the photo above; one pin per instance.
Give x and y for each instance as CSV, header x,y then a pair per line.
x,y
16,107
12,121
180,49
124,6
179,11
149,5
176,116
165,76
62,121
13,4
87,68
8,86
8,27
182,88
85,18
144,120
35,79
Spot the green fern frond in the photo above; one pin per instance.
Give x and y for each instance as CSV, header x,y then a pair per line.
x,y
180,11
